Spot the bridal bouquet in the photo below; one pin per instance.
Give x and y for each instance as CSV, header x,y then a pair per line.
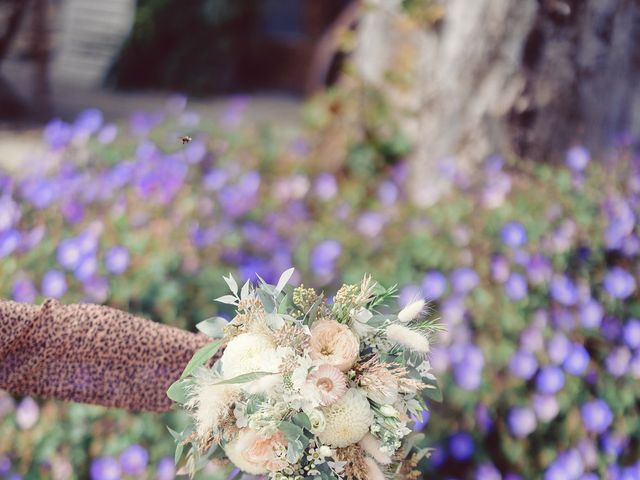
x,y
308,388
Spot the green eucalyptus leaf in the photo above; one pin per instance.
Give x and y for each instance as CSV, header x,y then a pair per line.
x,y
178,391
244,378
213,327
201,357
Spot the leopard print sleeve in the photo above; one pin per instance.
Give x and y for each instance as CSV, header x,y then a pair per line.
x,y
91,354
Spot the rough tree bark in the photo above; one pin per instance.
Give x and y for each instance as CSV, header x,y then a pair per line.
x,y
524,77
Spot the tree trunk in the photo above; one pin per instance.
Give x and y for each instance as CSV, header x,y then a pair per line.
x,y
523,77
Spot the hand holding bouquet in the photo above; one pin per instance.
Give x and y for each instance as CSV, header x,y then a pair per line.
x,y
307,388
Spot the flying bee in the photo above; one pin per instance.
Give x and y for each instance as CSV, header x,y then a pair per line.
x,y
185,139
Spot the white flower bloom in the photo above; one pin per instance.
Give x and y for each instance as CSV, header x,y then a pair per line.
x,y
372,446
317,420
247,353
411,311
325,451
348,420
408,338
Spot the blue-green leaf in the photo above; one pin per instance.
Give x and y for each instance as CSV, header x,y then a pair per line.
x,y
244,378
201,357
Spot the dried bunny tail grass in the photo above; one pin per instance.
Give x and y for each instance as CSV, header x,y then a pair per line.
x,y
373,470
408,338
371,445
356,467
210,403
412,311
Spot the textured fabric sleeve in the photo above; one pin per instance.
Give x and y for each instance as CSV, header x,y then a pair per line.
x,y
91,354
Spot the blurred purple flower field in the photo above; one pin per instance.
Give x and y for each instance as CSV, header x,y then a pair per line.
x,y
532,268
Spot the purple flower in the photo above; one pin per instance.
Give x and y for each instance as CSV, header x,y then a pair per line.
x,y
469,362
86,268
538,269
487,471
388,193
195,151
513,234
5,464
69,253
546,407
461,446
563,290
108,134
27,413
558,348
577,360
532,339
57,134
166,469
24,290
631,333
105,468
567,466
523,364
215,179
54,284
117,260
591,313
611,328
521,421
72,211
39,192
434,284
596,416
141,123
464,279
499,268
617,361
467,377
577,158
9,212
134,460
325,186
9,241
96,288
483,417
612,444
370,224
619,283
324,256
550,380
516,287
88,121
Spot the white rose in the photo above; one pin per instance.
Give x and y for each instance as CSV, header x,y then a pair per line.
x,y
317,420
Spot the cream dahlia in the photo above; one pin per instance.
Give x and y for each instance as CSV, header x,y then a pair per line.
x,y
348,420
334,343
330,383
246,353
